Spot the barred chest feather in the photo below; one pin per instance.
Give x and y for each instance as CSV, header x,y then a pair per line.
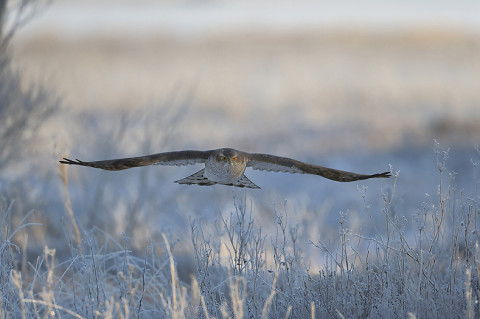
x,y
224,172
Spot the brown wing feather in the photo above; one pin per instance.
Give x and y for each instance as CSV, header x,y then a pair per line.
x,y
284,164
168,158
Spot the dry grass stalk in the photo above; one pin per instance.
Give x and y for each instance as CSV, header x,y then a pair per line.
x,y
63,172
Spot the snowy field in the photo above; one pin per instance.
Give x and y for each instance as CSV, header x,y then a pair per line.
x,y
364,90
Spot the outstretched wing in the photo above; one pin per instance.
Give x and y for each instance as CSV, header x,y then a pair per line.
x,y
272,163
168,158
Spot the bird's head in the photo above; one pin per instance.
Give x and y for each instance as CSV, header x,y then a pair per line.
x,y
228,156
232,161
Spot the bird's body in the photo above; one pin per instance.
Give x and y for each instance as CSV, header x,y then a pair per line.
x,y
226,166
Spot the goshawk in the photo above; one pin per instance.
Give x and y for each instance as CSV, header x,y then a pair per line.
x,y
225,166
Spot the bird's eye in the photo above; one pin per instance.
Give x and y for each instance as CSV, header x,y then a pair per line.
x,y
234,158
224,158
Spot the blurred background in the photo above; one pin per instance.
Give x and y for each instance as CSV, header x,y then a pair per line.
x,y
354,86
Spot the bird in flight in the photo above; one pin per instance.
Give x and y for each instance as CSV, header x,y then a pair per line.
x,y
225,166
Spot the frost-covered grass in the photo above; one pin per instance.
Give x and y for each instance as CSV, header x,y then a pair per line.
x,y
425,267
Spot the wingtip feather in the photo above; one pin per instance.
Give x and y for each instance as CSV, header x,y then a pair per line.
x,y
383,175
65,161
71,162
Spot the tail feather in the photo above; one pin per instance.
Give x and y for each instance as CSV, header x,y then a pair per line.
x,y
243,181
197,178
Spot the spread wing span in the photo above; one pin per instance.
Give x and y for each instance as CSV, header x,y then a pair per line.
x,y
266,162
167,158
